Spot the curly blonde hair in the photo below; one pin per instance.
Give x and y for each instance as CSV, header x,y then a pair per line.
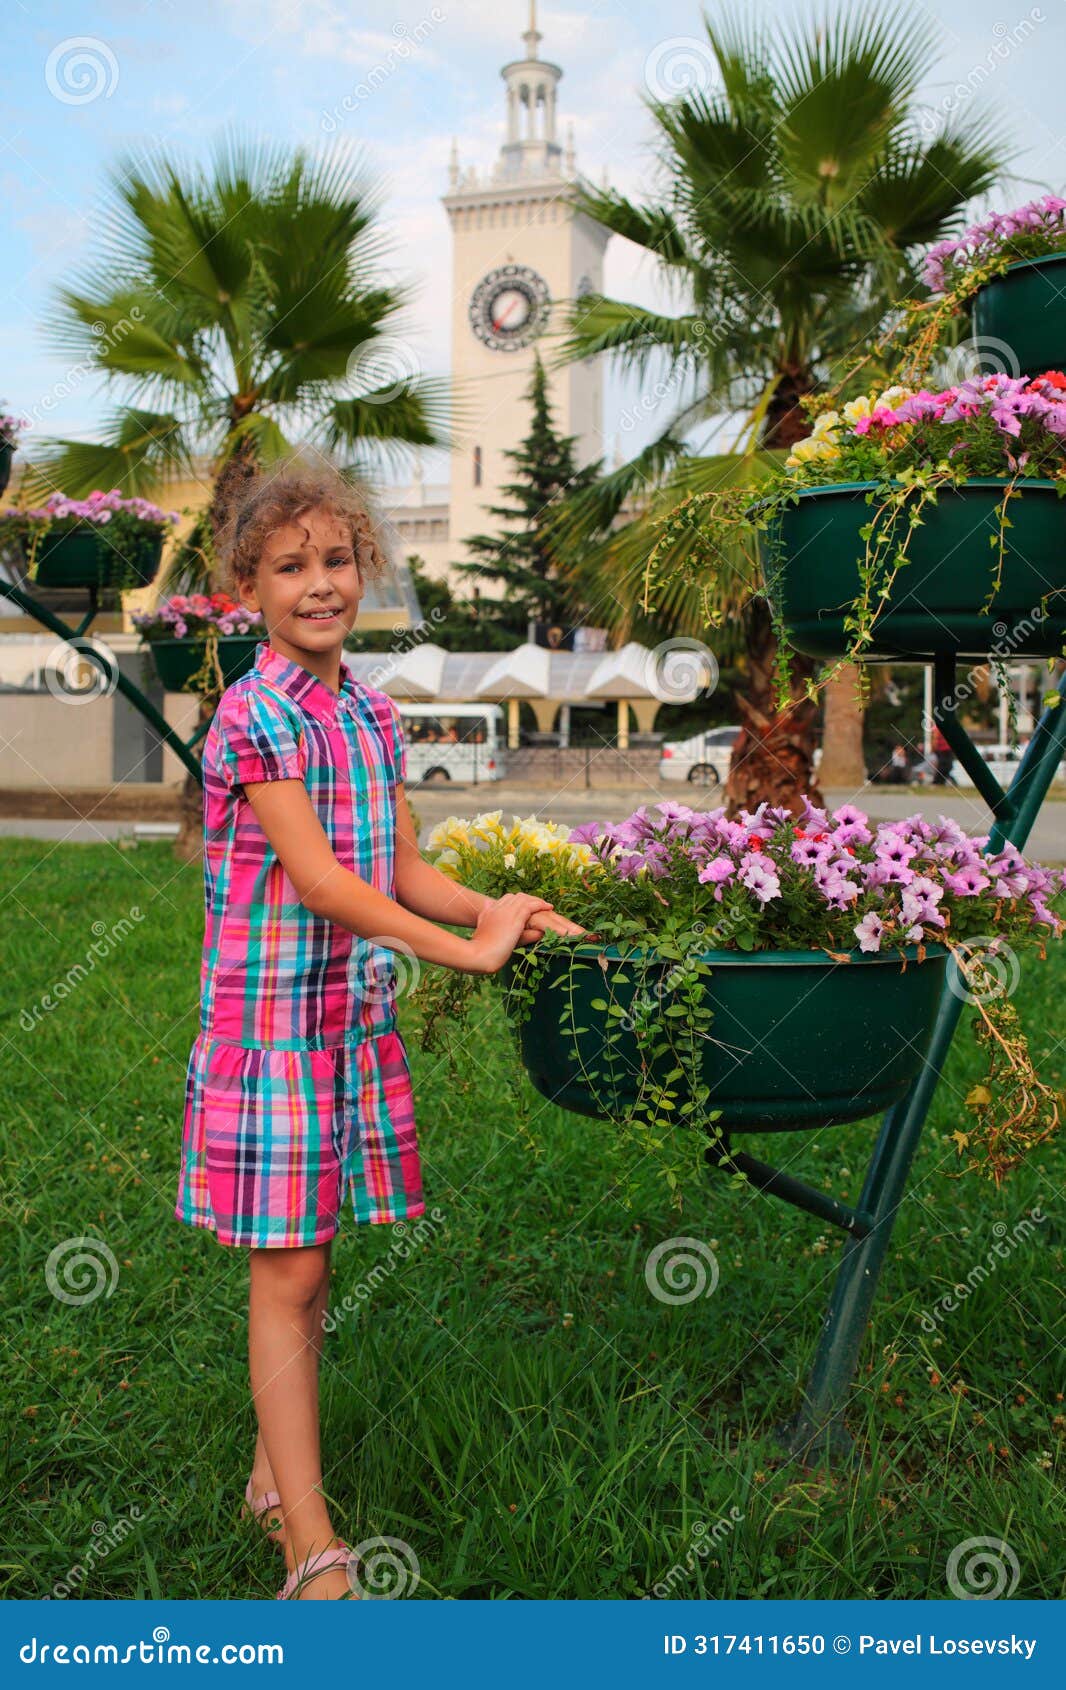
x,y
274,498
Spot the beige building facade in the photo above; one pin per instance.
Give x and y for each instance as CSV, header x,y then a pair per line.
x,y
520,253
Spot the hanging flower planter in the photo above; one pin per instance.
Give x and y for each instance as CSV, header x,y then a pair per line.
x,y
1025,310
905,525
80,557
103,541
761,972
941,600
798,1038
10,429
177,662
193,637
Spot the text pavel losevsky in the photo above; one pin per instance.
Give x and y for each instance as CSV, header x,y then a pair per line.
x,y
930,1645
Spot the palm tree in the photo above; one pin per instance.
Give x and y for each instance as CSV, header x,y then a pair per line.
x,y
797,191
236,307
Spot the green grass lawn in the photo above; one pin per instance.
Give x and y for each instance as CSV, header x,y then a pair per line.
x,y
507,1398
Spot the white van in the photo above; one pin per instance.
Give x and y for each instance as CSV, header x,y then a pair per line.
x,y
453,741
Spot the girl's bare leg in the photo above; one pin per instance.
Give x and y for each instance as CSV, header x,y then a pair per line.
x,y
263,1479
287,1292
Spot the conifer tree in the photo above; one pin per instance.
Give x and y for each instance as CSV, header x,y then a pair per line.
x,y
524,557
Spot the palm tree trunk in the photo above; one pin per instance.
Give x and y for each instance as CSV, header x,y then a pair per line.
x,y
843,763
773,757
230,481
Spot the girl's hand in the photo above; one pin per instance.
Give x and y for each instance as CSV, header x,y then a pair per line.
x,y
550,921
499,929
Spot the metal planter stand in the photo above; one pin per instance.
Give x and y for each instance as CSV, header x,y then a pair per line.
x,y
818,1428
77,639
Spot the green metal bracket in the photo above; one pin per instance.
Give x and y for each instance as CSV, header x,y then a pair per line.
x,y
818,1428
76,638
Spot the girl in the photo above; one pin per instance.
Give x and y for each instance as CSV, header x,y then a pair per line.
x,y
298,1090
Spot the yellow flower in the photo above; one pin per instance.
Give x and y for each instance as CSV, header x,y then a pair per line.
x,y
825,424
812,450
856,408
488,826
891,397
448,863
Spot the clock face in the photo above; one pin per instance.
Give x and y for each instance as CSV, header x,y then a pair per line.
x,y
509,307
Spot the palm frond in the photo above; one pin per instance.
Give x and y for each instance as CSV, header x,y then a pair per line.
x,y
140,452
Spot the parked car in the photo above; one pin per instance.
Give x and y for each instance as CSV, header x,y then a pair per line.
x,y
703,760
459,742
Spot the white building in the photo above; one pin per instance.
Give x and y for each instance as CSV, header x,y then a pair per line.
x,y
519,252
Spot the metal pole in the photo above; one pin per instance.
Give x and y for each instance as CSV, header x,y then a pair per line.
x,y
81,643
819,1425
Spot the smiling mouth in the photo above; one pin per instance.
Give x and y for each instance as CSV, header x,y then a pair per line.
x,y
319,615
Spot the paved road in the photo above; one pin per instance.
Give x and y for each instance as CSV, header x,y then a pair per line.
x,y
573,804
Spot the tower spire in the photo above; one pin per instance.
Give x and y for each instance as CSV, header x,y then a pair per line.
x,y
532,34
531,149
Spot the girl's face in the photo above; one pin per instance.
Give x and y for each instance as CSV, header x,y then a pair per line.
x,y
307,583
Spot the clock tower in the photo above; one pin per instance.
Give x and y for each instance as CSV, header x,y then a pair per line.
x,y
519,251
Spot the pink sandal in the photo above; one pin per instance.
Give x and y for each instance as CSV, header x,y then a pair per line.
x,y
309,1569
257,1507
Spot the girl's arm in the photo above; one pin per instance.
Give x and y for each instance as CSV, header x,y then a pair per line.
x,y
324,886
424,889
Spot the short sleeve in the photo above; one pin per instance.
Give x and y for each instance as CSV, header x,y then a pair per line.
x,y
257,739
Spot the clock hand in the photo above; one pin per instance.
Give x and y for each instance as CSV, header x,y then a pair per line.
x,y
498,322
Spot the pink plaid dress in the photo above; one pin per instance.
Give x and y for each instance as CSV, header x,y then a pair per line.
x,y
298,1084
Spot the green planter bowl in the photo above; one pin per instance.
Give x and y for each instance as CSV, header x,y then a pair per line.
x,y
177,660
798,1039
936,599
1025,309
83,558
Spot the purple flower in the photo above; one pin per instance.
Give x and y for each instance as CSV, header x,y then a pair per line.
x,y
868,931
717,870
760,877
967,882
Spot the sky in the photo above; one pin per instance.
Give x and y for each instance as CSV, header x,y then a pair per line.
x,y
88,83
